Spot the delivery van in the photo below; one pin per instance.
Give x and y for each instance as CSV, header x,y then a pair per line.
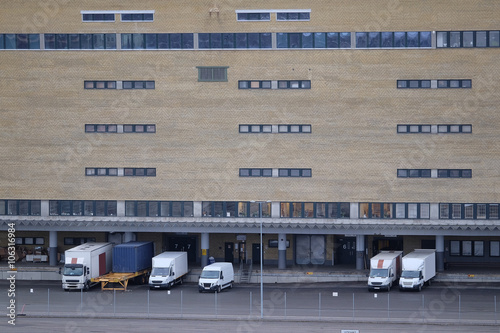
x,y
215,277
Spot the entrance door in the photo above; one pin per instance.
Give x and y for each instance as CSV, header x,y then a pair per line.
x,y
310,249
256,254
228,252
184,244
346,251
387,244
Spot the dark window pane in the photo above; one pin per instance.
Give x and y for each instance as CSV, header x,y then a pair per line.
x,y
412,39
332,40
241,41
442,173
294,40
319,40
228,41
175,41
399,39
374,39
244,172
203,41
253,40
402,173
282,40
10,41
86,41
265,40
150,41
345,39
425,39
177,208
61,41
187,41
162,41
216,41
361,39
22,41
386,39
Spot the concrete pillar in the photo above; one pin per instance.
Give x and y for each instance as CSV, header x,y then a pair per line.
x,y
205,245
360,252
128,237
281,251
440,253
53,248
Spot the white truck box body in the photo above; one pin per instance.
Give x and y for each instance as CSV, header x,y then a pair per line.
x,y
168,269
385,269
85,262
217,276
419,267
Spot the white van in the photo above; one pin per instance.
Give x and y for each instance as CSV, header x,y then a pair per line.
x,y
216,277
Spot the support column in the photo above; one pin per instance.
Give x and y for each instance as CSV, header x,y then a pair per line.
x,y
205,245
53,248
281,251
360,252
128,237
440,253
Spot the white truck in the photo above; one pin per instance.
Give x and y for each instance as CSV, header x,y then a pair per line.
x,y
419,267
85,262
169,268
385,270
216,276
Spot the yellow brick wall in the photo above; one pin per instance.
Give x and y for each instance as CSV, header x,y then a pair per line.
x,y
353,107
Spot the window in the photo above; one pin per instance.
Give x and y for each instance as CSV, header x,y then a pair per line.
x,y
294,84
137,17
313,40
494,249
235,40
78,208
78,240
414,173
212,74
253,16
413,39
293,16
99,17
19,42
138,84
467,39
157,41
255,172
80,41
294,173
20,207
454,173
99,84
126,128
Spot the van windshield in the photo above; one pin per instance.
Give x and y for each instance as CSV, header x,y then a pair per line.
x,y
377,272
160,271
73,270
209,274
410,274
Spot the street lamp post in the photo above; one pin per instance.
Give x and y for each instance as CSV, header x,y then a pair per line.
x,y
261,267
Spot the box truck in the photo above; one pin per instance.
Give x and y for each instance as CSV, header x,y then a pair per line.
x,y
419,267
85,262
131,261
385,270
169,268
216,276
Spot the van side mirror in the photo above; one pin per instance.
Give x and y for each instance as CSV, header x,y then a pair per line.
x,y
172,273
221,276
88,270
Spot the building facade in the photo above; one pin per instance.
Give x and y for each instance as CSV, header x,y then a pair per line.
x,y
335,129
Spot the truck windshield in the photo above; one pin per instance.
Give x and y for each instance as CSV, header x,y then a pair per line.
x,y
160,271
73,270
377,272
209,274
410,274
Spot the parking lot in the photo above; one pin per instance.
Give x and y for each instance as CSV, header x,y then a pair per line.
x,y
439,303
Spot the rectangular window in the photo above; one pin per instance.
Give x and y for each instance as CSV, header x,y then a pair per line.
x,y
85,41
293,16
212,74
444,211
98,17
494,249
493,211
456,211
137,17
455,248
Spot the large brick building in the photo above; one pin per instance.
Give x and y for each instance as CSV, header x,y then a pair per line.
x,y
344,127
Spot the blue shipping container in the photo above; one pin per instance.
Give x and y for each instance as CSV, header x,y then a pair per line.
x,y
132,257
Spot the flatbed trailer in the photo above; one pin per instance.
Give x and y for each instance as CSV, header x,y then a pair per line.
x,y
121,278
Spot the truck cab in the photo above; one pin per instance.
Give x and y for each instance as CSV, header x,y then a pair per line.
x,y
75,276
